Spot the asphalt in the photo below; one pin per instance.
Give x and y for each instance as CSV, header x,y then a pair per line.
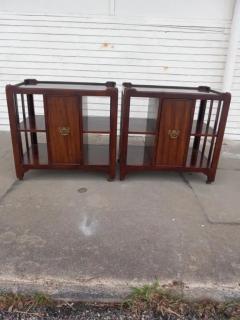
x,y
76,235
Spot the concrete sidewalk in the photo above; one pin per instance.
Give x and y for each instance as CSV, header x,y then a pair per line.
x,y
75,234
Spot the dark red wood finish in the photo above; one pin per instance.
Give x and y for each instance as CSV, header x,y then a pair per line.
x,y
172,146
63,126
188,134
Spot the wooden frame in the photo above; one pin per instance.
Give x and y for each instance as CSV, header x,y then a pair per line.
x,y
26,126
199,116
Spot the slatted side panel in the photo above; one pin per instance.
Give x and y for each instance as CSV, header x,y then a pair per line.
x,y
100,49
233,130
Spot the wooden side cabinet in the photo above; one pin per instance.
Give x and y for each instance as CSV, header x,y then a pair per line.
x,y
52,125
172,128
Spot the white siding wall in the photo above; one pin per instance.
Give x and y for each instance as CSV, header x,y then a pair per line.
x,y
100,48
234,114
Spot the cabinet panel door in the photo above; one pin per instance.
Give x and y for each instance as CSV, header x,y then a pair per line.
x,y
63,118
174,132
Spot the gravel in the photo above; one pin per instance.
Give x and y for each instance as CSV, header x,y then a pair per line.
x,y
91,313
94,313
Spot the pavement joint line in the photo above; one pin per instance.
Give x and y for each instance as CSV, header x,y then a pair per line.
x,y
187,183
9,190
212,222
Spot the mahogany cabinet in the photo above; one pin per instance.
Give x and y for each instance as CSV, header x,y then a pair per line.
x,y
63,125
172,128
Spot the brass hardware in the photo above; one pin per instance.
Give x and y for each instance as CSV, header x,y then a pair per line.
x,y
64,131
173,134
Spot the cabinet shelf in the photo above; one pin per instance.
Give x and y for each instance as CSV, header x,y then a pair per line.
x,y
96,124
36,124
143,156
139,155
37,154
148,126
90,124
93,155
203,132
199,161
142,126
96,154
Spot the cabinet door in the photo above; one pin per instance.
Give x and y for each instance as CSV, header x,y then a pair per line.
x,y
174,132
63,122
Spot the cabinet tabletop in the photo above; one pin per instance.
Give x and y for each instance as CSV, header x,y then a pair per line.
x,y
39,86
42,85
201,90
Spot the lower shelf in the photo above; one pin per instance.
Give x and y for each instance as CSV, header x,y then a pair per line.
x,y
93,155
98,154
143,156
37,154
139,155
196,160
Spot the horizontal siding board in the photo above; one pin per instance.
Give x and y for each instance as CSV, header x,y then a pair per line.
x,y
104,76
236,84
101,61
127,49
110,54
201,24
151,70
123,47
174,33
126,37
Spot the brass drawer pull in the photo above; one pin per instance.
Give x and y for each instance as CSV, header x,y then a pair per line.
x,y
64,131
173,134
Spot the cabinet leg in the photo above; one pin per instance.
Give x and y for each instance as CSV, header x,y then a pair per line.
x,y
112,173
111,177
122,174
210,178
20,174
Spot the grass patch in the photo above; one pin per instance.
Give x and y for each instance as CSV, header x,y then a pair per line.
x,y
168,303
41,299
19,302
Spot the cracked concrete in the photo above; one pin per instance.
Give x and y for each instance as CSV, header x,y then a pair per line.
x,y
75,234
